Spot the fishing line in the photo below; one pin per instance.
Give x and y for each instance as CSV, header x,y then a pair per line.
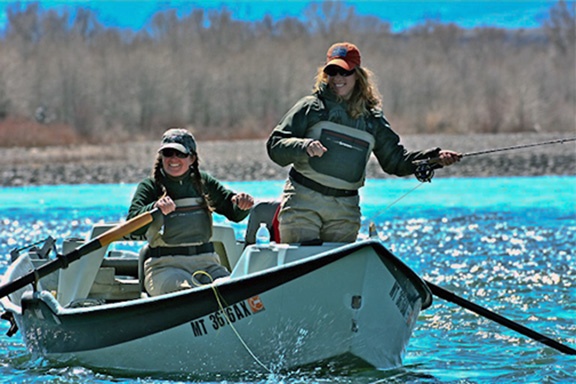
x,y
219,300
378,213
426,163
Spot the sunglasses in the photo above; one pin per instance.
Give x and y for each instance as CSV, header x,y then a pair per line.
x,y
334,70
169,152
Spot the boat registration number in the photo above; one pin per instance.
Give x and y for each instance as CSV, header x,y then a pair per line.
x,y
227,315
400,298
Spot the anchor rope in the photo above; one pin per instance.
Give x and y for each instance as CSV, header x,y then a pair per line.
x,y
220,300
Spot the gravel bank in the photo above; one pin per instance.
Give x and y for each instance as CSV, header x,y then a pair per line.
x,y
247,160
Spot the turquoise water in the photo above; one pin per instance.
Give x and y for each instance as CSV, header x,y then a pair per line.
x,y
503,243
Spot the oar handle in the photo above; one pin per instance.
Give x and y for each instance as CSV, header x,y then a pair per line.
x,y
484,312
98,242
127,228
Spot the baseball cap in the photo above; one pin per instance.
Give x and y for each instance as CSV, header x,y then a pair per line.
x,y
345,55
180,139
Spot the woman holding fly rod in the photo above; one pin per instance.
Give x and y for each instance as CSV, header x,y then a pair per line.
x,y
179,254
328,137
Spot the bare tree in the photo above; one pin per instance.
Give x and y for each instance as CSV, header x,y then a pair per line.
x,y
225,78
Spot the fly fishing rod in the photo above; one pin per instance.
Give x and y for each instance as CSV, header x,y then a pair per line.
x,y
425,167
435,160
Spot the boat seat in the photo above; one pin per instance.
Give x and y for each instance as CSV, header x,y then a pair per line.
x,y
125,266
265,211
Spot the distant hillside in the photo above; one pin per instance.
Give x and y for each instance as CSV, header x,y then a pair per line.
x,y
67,79
248,160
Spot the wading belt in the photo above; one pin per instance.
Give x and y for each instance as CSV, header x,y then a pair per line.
x,y
182,251
309,183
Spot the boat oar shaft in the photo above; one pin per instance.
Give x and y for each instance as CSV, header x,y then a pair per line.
x,y
98,242
484,312
558,141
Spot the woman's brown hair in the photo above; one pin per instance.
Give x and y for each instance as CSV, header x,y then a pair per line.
x,y
158,176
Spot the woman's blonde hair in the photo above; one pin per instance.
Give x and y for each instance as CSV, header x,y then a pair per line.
x,y
365,95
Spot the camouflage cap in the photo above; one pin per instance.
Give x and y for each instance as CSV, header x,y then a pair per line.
x,y
179,139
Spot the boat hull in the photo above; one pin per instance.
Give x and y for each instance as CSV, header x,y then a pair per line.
x,y
348,303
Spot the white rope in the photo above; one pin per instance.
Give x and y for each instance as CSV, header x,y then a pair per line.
x,y
219,300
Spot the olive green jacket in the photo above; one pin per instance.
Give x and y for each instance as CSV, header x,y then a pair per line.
x,y
288,140
148,192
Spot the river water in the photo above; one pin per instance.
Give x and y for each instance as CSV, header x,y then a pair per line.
x,y
507,244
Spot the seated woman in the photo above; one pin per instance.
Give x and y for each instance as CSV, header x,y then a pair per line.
x,y
179,254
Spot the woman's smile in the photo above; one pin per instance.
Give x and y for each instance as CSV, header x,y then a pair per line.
x,y
176,166
342,85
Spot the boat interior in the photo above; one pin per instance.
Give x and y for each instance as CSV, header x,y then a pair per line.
x,y
110,274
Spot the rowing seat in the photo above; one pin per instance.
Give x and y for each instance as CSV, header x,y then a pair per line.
x,y
263,212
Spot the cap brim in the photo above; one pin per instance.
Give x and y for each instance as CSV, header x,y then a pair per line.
x,y
340,63
176,146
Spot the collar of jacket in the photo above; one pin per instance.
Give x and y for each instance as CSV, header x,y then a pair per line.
x,y
169,178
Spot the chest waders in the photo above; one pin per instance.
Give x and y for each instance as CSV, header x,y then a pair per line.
x,y
343,165
190,224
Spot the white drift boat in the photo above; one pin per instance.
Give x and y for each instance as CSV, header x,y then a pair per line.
x,y
285,306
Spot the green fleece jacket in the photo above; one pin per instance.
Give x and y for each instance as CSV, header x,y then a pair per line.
x,y
288,140
148,192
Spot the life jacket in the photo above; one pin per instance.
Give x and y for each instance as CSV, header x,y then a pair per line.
x,y
190,224
343,165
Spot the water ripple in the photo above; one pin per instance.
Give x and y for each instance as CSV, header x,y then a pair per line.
x,y
516,260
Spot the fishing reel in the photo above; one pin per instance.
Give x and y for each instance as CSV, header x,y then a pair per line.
x,y
424,172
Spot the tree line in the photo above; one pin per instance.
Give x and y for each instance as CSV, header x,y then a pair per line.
x,y
229,79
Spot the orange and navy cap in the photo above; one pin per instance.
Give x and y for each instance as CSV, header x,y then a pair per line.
x,y
344,55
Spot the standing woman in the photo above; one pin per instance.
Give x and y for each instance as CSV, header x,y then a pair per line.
x,y
179,253
328,138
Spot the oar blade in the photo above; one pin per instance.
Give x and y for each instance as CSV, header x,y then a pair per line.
x,y
485,312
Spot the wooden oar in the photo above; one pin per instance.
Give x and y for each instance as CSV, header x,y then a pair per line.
x,y
98,242
484,312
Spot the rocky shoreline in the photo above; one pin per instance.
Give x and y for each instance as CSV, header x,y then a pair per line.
x,y
247,160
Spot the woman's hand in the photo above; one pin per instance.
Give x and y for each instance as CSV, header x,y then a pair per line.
x,y
243,200
166,205
315,149
446,158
